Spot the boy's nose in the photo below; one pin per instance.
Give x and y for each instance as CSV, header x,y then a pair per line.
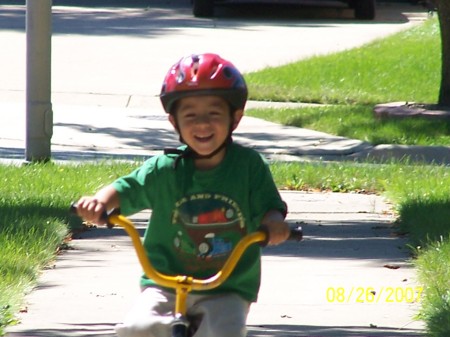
x,y
202,119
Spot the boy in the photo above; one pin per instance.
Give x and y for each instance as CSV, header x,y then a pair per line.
x,y
204,197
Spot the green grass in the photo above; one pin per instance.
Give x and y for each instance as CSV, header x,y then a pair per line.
x,y
403,67
34,201
335,177
423,201
358,122
435,309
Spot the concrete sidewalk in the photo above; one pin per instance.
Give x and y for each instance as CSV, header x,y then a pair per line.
x,y
349,249
91,133
85,132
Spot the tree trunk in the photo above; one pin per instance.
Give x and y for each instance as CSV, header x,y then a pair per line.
x,y
443,7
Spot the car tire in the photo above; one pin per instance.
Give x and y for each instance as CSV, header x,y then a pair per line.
x,y
203,8
364,9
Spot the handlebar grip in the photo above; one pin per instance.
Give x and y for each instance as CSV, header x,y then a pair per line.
x,y
296,234
105,215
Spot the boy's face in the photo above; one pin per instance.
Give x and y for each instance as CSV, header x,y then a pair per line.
x,y
204,123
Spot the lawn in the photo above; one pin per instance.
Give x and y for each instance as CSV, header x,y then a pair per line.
x,y
34,221
404,67
358,122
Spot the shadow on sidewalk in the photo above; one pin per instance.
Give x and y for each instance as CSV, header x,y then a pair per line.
x,y
98,3
360,240
18,154
368,240
72,330
107,330
326,331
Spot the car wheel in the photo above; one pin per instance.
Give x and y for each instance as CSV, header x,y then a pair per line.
x,y
203,8
364,9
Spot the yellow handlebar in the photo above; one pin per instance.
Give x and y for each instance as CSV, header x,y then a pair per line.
x,y
181,283
188,282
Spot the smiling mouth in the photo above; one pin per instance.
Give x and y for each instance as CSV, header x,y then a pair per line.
x,y
204,139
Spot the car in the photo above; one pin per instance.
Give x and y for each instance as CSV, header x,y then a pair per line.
x,y
364,9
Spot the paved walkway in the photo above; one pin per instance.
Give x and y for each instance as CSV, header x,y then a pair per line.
x,y
90,133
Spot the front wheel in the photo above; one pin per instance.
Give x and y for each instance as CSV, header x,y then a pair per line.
x,y
364,9
203,8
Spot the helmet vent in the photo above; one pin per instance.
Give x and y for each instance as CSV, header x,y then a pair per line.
x,y
195,65
180,76
228,72
194,70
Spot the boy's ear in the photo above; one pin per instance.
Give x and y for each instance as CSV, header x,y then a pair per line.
x,y
237,117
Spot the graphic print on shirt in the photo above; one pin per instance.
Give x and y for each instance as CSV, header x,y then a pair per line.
x,y
208,227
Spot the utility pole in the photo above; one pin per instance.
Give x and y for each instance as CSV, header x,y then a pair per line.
x,y
39,114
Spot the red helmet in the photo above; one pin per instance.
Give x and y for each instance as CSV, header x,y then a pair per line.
x,y
203,74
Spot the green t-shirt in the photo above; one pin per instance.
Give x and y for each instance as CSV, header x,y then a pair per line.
x,y
199,216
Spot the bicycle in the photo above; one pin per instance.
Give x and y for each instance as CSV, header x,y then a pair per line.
x,y
184,284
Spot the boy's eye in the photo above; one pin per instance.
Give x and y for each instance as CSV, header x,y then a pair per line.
x,y
188,115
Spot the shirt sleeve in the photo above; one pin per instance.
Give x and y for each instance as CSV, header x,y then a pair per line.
x,y
133,189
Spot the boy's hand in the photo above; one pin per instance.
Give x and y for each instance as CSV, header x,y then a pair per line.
x,y
91,210
278,229
279,232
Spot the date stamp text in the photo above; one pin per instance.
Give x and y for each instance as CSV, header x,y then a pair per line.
x,y
407,294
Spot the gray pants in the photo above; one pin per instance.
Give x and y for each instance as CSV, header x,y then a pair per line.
x,y
217,316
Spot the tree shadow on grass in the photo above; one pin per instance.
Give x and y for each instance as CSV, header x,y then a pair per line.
x,y
425,221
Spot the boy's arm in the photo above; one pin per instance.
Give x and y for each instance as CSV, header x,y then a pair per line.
x,y
278,229
91,208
